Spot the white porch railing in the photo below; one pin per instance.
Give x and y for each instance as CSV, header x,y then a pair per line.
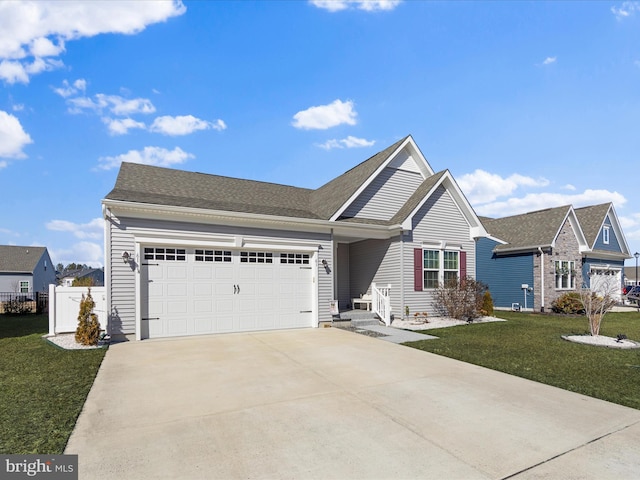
x,y
381,302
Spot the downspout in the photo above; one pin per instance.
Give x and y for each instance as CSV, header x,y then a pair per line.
x,y
541,279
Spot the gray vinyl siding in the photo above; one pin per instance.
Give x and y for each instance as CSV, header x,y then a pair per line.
x,y
342,265
439,219
123,232
44,274
10,282
366,258
376,261
122,284
382,199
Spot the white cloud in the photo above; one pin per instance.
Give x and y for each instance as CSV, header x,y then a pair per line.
x,y
326,116
625,10
33,31
3,164
366,5
87,253
94,229
549,60
121,126
537,201
483,187
13,138
115,104
67,89
568,186
18,107
13,72
349,142
148,156
183,125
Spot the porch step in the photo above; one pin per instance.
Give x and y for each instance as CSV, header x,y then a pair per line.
x,y
363,322
360,318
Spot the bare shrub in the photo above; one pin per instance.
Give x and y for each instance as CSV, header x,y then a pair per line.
x,y
461,300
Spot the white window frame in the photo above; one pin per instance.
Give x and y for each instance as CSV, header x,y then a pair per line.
x,y
439,267
565,274
23,286
605,235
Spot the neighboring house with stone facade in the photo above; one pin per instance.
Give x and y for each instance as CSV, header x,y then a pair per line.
x,y
529,260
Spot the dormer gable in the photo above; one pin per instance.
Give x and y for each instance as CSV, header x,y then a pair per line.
x,y
602,229
389,186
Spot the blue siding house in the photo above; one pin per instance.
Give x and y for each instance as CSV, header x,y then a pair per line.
x,y
529,260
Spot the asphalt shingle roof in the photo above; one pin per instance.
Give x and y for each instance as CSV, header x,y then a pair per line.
x,y
529,230
163,186
591,219
14,259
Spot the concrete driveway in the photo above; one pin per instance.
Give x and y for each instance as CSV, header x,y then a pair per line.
x,y
331,404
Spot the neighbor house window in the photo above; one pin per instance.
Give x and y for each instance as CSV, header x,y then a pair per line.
x,y
605,235
440,266
24,286
565,275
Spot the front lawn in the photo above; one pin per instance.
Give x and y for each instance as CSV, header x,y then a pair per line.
x,y
530,346
43,387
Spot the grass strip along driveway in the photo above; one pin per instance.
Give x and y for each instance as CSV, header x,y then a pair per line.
x,y
42,387
530,346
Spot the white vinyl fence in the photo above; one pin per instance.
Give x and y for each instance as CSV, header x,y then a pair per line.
x,y
64,306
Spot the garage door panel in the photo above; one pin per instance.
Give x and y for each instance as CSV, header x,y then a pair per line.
x,y
177,326
176,290
179,306
223,306
224,323
222,271
178,272
202,289
203,306
202,273
155,289
155,327
209,295
203,325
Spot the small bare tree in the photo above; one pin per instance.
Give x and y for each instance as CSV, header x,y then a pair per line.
x,y
597,303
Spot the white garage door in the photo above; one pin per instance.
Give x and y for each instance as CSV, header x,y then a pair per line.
x,y
605,281
192,291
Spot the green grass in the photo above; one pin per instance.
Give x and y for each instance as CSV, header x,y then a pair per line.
x,y
530,346
42,387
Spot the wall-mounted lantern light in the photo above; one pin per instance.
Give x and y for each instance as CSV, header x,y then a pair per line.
x,y
325,264
126,256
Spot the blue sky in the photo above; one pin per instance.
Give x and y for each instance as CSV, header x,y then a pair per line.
x,y
529,104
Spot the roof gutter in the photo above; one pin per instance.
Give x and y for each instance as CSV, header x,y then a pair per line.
x,y
530,248
142,210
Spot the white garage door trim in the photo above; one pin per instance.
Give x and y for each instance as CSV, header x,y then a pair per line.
x,y
177,243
